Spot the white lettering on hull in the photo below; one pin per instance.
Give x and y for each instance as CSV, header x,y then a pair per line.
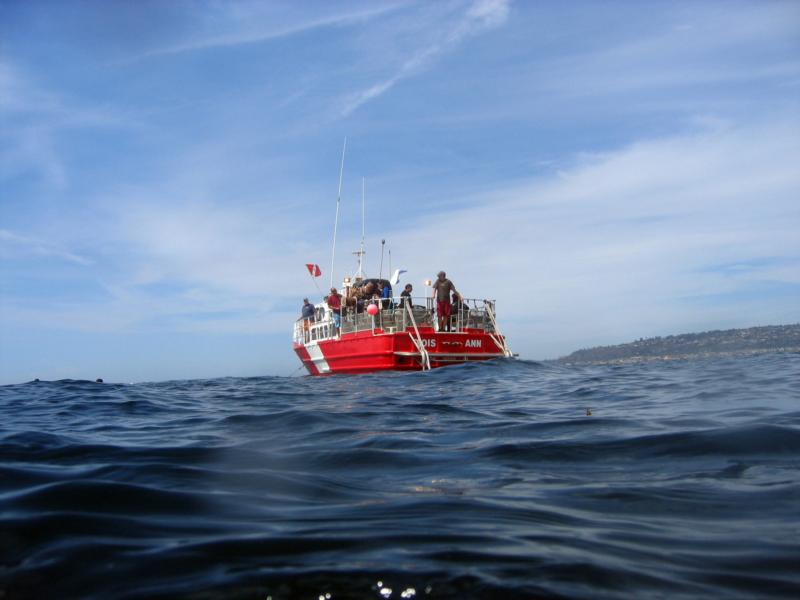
x,y
473,344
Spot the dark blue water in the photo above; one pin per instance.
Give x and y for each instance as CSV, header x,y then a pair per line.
x,y
479,481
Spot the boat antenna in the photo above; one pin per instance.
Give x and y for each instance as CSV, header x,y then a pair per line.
x,y
363,213
380,272
338,201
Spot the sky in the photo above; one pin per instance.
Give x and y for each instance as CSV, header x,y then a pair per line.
x,y
605,170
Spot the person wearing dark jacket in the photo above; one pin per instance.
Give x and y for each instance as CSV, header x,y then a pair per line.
x,y
459,310
307,314
405,297
307,311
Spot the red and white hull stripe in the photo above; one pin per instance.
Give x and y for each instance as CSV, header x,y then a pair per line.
x,y
369,351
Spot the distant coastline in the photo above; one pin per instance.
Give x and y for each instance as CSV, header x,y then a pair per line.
x,y
730,342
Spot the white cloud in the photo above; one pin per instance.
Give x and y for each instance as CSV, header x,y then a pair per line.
x,y
244,252
32,150
481,16
17,94
696,54
33,120
628,243
620,245
13,245
252,23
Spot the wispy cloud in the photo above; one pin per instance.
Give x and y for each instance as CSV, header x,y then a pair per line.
x,y
13,245
19,95
254,23
618,245
481,16
26,101
34,117
612,247
697,53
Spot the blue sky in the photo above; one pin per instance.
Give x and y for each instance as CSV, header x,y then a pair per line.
x,y
605,170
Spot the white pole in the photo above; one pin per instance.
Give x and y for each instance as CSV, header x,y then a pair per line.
x,y
363,206
338,200
380,271
363,218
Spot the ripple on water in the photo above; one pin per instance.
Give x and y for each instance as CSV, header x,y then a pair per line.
x,y
482,481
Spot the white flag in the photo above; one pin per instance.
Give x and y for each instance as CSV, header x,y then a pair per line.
x,y
396,276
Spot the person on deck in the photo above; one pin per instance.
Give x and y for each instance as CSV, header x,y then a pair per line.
x,y
405,296
443,287
386,295
307,311
460,310
307,314
335,304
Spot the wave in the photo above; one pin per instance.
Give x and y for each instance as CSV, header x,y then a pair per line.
x,y
501,479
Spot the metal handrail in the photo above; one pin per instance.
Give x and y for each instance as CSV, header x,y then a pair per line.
x,y
499,339
474,314
425,360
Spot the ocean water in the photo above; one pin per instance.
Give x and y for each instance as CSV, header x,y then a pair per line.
x,y
478,481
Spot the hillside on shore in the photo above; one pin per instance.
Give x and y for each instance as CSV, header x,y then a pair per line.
x,y
731,342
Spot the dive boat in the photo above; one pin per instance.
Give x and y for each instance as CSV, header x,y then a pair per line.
x,y
395,333
387,333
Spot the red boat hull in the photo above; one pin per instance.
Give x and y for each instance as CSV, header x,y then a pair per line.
x,y
370,351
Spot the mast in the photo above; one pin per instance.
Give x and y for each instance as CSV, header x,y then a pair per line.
x,y
380,271
338,201
363,213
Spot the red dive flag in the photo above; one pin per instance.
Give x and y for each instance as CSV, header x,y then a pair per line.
x,y
313,270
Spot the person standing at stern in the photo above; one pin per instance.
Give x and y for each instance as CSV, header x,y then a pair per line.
x,y
443,288
307,314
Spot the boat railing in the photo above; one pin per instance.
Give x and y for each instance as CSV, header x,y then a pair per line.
x,y
318,327
469,314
